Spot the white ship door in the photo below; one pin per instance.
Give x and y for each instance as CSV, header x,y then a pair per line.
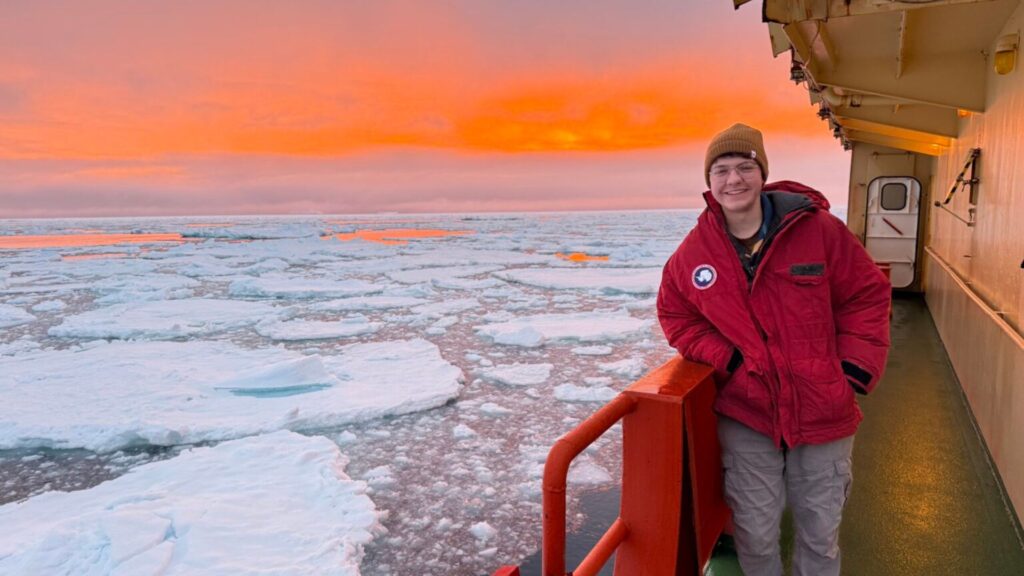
x,y
891,231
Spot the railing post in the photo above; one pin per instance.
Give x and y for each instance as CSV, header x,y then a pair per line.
x,y
672,509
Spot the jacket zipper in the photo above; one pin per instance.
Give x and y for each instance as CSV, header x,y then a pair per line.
x,y
787,222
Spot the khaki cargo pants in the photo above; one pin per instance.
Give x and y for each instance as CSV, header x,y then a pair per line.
x,y
759,479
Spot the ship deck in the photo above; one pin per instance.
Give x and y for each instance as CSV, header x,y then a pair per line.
x,y
925,498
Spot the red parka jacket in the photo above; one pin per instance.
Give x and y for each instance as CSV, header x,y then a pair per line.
x,y
811,326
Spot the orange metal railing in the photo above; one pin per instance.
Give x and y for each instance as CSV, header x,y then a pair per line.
x,y
556,471
672,511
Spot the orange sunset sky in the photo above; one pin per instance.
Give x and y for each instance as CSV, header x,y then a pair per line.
x,y
119,108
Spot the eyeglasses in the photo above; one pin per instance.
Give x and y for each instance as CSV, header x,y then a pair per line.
x,y
745,170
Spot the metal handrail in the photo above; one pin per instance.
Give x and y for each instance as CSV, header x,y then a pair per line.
x,y
671,511
556,472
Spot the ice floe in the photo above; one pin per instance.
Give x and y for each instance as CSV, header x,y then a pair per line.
x,y
518,374
483,531
317,330
533,331
106,396
295,288
279,503
120,289
14,316
597,350
165,320
445,307
572,393
607,280
462,431
357,303
493,409
419,275
631,368
50,306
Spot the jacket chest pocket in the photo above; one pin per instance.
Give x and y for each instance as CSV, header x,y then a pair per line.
x,y
804,308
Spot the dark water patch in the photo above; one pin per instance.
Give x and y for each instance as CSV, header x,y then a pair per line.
x,y
27,473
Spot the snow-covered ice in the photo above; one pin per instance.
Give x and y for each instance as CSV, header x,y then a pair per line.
x,y
607,280
571,393
111,395
417,276
365,303
288,287
518,374
630,368
532,331
597,350
274,504
49,306
134,288
317,330
164,320
483,531
14,316
587,472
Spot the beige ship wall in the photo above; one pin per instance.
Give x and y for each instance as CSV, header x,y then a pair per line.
x,y
974,280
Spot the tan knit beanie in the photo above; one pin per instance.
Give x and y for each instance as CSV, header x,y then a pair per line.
x,y
739,139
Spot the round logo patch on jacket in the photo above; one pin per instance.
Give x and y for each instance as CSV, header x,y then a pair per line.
x,y
704,276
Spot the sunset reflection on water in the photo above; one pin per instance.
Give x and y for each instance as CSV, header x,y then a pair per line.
x,y
83,240
581,257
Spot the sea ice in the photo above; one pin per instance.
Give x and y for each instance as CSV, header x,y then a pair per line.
x,y
358,303
419,275
518,374
533,331
461,431
483,531
379,476
50,306
468,283
132,288
296,288
571,393
492,409
592,350
13,316
586,472
442,325
445,307
607,280
19,346
107,396
317,330
631,368
164,320
278,503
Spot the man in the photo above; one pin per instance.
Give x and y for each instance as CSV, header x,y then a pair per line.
x,y
782,301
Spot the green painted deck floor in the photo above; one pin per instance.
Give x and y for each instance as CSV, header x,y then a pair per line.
x,y
924,500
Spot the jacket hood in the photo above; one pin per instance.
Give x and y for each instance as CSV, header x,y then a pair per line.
x,y
817,198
